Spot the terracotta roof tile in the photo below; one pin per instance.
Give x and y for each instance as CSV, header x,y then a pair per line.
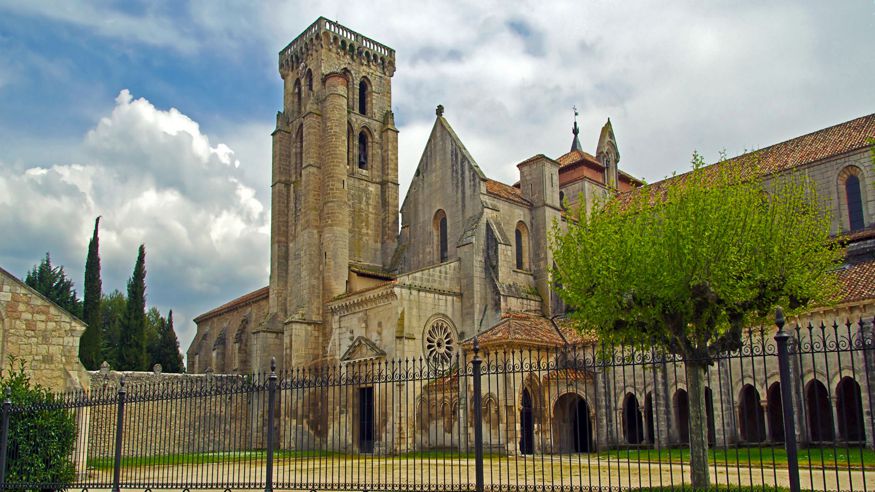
x,y
575,156
506,192
529,330
249,298
858,282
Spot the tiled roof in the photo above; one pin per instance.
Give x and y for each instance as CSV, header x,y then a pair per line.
x,y
784,156
506,192
858,282
243,300
529,330
574,156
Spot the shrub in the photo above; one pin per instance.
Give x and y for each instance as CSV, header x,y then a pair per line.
x,y
41,433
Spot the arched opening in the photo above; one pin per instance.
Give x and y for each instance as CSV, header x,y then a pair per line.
x,y
682,415
562,200
849,410
309,81
572,428
299,150
775,412
709,415
750,415
363,150
648,418
297,91
363,96
440,234
521,242
820,421
527,424
854,199
633,421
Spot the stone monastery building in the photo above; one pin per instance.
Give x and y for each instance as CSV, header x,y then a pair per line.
x,y
471,255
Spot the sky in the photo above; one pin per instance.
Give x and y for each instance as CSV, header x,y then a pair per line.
x,y
157,116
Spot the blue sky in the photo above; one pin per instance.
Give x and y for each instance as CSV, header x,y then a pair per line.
x,y
157,115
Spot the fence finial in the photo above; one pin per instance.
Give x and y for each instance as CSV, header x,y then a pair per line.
x,y
8,394
273,364
779,318
476,345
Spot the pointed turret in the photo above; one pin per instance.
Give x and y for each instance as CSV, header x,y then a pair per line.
x,y
608,154
575,144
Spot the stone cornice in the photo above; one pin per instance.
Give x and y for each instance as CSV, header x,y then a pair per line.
x,y
363,300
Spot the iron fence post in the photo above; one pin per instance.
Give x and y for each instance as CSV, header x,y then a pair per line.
x,y
271,401
782,337
478,418
119,424
4,435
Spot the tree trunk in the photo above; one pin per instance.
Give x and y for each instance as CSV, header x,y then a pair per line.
x,y
698,424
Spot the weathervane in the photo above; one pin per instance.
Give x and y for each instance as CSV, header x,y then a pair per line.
x,y
574,129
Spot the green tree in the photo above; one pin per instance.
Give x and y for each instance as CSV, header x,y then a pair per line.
x,y
687,264
132,346
152,335
113,309
168,354
53,283
90,344
41,433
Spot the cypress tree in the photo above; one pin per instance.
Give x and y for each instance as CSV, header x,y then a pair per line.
x,y
91,343
132,349
169,356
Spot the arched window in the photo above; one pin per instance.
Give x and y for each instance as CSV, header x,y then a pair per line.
x,y
562,200
297,91
350,147
309,80
521,237
363,96
854,198
440,234
363,150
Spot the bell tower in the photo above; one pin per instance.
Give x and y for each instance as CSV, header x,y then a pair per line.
x,y
334,185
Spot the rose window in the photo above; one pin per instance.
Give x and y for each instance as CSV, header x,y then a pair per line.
x,y
440,345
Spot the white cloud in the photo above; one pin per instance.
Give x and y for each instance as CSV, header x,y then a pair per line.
x,y
157,179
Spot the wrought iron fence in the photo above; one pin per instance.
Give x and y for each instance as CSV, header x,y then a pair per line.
x,y
790,410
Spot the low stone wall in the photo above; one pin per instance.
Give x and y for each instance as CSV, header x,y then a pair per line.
x,y
172,414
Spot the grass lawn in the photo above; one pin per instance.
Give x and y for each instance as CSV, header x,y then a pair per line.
x,y
765,456
808,458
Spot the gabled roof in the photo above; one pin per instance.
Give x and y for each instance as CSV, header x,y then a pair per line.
x,y
506,192
517,329
252,297
362,348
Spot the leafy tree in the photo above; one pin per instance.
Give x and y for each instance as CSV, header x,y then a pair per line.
x,y
168,354
152,335
41,435
113,309
53,283
687,264
90,344
132,345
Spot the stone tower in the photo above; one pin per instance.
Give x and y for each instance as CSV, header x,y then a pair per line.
x,y
334,183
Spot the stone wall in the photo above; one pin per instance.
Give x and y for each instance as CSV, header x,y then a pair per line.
x,y
171,414
42,335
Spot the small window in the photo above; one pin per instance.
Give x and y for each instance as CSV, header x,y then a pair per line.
x,y
299,150
309,80
521,237
440,230
854,198
297,91
363,97
363,150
